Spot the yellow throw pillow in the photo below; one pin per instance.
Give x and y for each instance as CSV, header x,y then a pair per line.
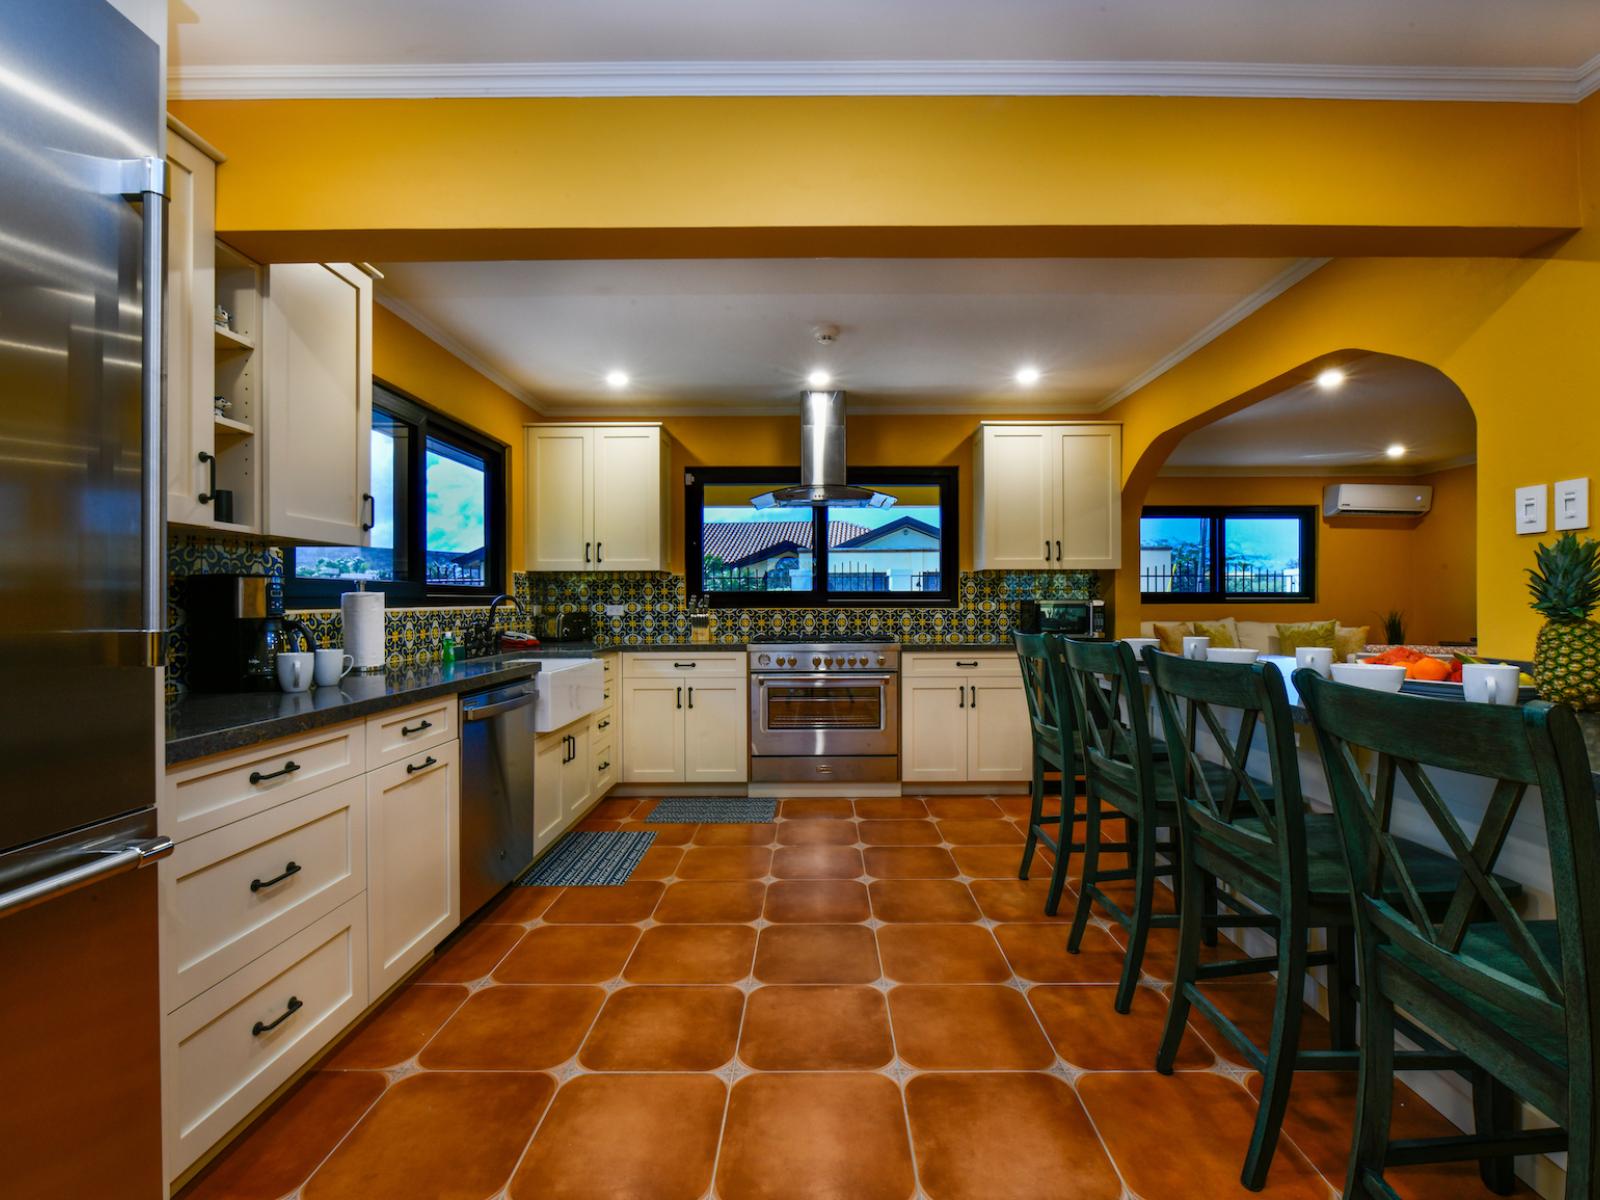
x,y
1306,633
1348,640
1223,632
1172,634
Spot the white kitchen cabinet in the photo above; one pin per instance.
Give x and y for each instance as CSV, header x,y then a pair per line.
x,y
1048,496
577,773
999,731
597,497
933,730
716,741
685,718
413,885
317,423
964,719
191,292
563,781
652,729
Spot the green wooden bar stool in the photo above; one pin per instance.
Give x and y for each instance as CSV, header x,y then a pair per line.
x,y
1517,996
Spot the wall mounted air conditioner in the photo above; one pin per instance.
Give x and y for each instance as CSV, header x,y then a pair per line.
x,y
1376,500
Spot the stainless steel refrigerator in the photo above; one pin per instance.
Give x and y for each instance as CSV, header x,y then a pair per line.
x,y
82,601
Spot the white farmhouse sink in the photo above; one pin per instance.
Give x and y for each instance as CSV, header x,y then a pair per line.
x,y
568,688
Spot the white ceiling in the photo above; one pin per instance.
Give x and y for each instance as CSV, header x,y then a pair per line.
x,y
1307,430
1449,47
736,335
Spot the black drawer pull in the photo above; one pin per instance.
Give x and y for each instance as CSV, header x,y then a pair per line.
x,y
294,1006
684,666
605,766
604,724
289,869
966,664
413,768
408,730
289,768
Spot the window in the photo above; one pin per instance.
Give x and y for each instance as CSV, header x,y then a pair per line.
x,y
1234,553
738,555
438,513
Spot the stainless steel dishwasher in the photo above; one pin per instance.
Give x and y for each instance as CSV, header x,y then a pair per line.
x,y
496,835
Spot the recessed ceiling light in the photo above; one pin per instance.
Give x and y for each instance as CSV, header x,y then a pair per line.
x,y
819,378
616,380
1396,450
1330,378
1027,376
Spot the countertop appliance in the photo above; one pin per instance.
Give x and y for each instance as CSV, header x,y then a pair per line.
x,y
1073,618
496,833
82,600
563,626
236,628
825,712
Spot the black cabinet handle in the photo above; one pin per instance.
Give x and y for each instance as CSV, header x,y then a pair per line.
x,y
294,1006
603,766
289,869
586,552
598,558
372,508
962,693
1058,549
974,703
289,768
211,461
413,768
691,697
680,697
967,664
408,730
604,724
684,666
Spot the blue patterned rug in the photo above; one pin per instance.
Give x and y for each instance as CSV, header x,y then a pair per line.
x,y
712,811
590,858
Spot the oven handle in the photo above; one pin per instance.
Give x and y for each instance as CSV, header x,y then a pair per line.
x,y
767,680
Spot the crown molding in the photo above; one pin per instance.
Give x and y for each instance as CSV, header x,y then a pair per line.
x,y
1274,288
1327,470
786,406
891,77
457,347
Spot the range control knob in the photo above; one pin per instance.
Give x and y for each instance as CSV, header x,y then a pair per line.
x,y
816,660
764,660
852,660
882,660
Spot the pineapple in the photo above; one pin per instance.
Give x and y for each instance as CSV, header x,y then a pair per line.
x,y
1565,583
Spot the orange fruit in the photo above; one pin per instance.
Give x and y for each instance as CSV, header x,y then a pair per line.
x,y
1428,668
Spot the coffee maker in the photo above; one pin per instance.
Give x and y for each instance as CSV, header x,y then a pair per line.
x,y
236,628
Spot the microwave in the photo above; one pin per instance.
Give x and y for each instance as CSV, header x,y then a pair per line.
x,y
1073,618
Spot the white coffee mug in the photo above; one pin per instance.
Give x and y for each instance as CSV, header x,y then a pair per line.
x,y
1138,645
1318,658
1490,683
332,666
294,670
1196,647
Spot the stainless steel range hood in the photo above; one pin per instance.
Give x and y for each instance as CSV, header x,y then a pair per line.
x,y
822,462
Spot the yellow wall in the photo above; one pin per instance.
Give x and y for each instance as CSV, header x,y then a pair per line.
x,y
1365,565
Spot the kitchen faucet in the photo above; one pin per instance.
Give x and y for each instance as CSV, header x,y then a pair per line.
x,y
486,637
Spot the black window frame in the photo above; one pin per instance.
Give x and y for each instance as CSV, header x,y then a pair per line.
x,y
415,590
1218,515
947,479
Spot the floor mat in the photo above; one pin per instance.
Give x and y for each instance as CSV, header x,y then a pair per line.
x,y
712,811
590,858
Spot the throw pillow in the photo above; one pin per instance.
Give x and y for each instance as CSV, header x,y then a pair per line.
x,y
1306,633
1172,634
1223,632
1348,640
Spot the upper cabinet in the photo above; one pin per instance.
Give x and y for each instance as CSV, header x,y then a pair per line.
x,y
1048,496
192,176
597,497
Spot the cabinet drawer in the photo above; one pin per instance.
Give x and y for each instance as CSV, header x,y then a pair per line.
x,y
224,1059
603,723
237,891
394,735
605,766
655,666
206,795
983,663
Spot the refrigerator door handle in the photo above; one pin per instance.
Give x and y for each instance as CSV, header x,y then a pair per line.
x,y
146,180
111,861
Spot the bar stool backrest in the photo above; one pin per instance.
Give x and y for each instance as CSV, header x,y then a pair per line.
x,y
1044,683
1112,720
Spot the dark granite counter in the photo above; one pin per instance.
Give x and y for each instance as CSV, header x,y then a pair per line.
x,y
673,647
957,648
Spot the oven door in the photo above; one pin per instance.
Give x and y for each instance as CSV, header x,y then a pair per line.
x,y
803,715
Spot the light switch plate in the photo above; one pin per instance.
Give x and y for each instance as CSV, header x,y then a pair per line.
x,y
616,610
1572,504
1533,508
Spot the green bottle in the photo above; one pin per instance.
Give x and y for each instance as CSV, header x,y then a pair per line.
x,y
447,650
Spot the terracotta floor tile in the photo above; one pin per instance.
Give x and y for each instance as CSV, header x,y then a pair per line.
x,y
282,1148
473,954
620,905
597,825
1089,1033
791,810
922,901
909,862
693,954
519,905
962,808
612,1136
817,862
569,954
658,862
1196,1147
1019,807
818,832
615,810
725,862
941,954
899,833
941,1027
401,1028
1019,899
1005,1137
1039,952
816,1029
1248,1004
665,1029
817,902
817,954
514,1028
999,862
668,833
736,834
711,903
643,808
815,1137
440,1135
981,833
1161,951
890,808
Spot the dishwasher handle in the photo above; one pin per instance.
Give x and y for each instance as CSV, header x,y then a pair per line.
x,y
483,712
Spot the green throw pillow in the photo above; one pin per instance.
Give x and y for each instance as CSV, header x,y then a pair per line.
x,y
1224,632
1307,633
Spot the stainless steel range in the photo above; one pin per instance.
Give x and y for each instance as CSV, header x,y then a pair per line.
x,y
825,712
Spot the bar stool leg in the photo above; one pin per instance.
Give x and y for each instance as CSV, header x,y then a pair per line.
x,y
1342,1006
1064,832
1287,1009
1189,937
1035,816
1369,1143
1144,894
1494,1113
1091,873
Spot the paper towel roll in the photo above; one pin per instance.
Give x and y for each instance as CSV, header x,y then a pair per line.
x,y
363,629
